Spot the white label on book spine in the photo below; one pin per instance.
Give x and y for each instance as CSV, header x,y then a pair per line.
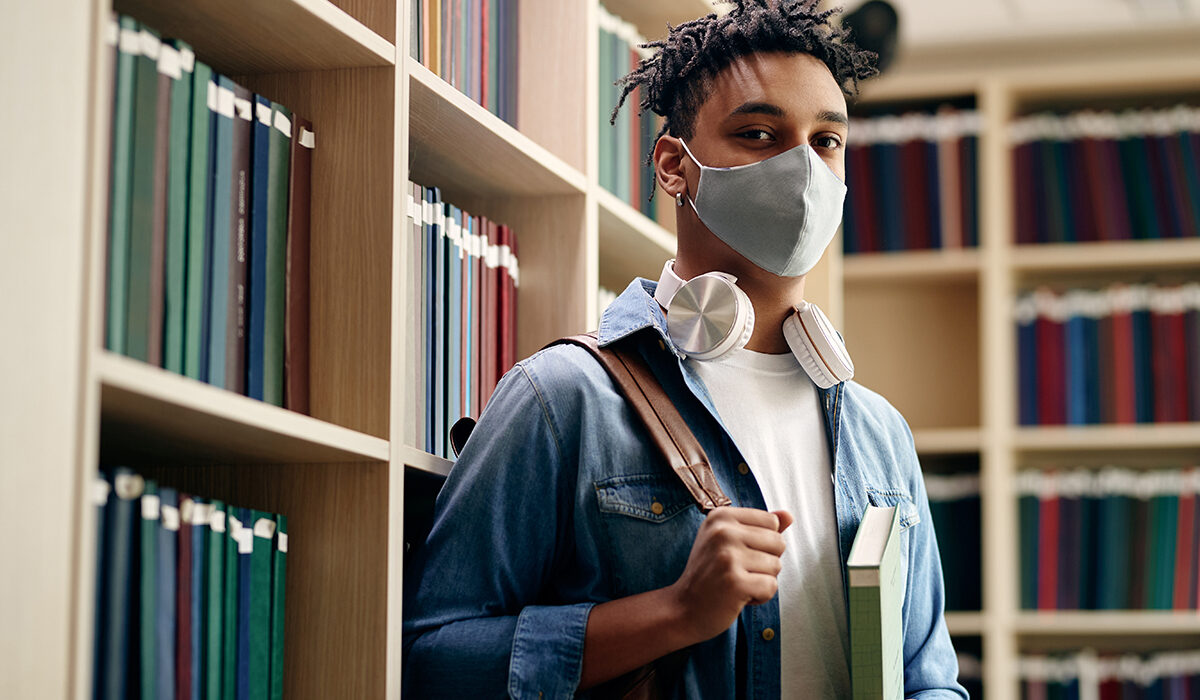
x,y
212,96
100,490
412,208
263,112
491,257
217,521
131,40
264,528
187,59
150,506
129,486
245,109
186,506
170,518
245,540
149,44
200,513
169,63
283,124
112,32
283,542
307,139
225,102
235,527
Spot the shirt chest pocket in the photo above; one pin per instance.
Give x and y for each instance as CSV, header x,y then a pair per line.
x,y
888,497
649,522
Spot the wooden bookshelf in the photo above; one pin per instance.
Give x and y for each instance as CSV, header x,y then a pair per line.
x,y
923,265
1151,436
1148,255
948,440
1108,623
963,624
631,245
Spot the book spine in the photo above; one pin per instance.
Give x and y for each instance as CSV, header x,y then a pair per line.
x,y
120,179
239,235
221,221
257,252
143,181
164,629
275,304
175,293
296,359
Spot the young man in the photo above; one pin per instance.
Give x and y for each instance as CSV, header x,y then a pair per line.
x,y
565,554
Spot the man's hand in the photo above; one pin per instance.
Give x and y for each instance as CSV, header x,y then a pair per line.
x,y
735,561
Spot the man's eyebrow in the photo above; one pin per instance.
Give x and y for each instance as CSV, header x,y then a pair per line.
x,y
767,108
830,116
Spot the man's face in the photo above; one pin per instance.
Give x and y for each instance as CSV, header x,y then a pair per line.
x,y
767,103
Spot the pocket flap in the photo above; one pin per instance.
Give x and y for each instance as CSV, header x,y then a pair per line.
x,y
886,497
653,497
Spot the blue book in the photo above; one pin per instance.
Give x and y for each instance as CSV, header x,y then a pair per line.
x,y
199,535
147,593
1092,371
1076,364
439,324
454,319
101,492
934,189
260,140
1143,369
887,159
214,592
168,548
219,233
121,561
968,157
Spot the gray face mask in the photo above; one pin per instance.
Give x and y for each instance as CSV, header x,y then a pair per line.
x,y
779,213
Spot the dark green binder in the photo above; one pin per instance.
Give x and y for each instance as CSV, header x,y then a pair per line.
x,y
278,595
195,341
279,158
119,195
177,211
214,602
260,604
142,181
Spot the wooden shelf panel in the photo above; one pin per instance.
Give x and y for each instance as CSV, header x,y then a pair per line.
x,y
948,440
423,461
265,36
631,245
966,623
1117,255
455,142
651,18
1111,623
922,265
1112,437
151,411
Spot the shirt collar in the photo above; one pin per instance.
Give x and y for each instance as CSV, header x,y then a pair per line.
x,y
634,310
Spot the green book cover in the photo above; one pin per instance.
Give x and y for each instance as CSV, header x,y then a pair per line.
x,y
142,181
214,593
876,595
199,174
1164,549
128,48
229,622
623,167
278,178
260,604
149,589
605,90
278,596
493,58
177,210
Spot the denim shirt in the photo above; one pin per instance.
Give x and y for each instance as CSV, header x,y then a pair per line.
x,y
550,510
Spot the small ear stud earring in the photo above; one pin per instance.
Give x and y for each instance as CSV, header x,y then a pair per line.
x,y
679,199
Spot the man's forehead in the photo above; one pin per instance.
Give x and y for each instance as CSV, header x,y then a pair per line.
x,y
789,82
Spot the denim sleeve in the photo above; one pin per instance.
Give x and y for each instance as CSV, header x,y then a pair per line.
x,y
475,624
930,664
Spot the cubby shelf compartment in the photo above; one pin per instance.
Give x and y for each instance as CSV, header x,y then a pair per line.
x,y
423,461
925,265
1123,255
1108,623
1116,437
265,36
631,245
150,411
454,140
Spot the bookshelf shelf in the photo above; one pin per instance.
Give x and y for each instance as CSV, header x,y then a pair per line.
x,y
948,440
1125,255
920,265
150,411
457,144
1113,437
1108,623
304,35
631,245
423,461
965,623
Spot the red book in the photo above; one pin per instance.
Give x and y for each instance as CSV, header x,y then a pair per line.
x,y
1023,180
866,218
1124,409
914,195
1051,359
1169,356
183,602
1110,689
1114,188
1102,208
1185,545
1048,547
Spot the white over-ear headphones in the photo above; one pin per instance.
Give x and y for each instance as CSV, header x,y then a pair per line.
x,y
708,317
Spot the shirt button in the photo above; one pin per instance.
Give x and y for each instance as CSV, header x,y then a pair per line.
x,y
768,634
743,469
656,508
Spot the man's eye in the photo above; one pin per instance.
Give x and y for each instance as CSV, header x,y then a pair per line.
x,y
756,135
828,141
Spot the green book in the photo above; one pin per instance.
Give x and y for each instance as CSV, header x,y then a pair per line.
x,y
278,594
622,167
1165,527
261,561
278,178
199,176
876,595
177,209
142,183
605,103
128,48
149,589
214,593
229,622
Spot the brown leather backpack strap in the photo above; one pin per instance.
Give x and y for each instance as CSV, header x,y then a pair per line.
x,y
667,429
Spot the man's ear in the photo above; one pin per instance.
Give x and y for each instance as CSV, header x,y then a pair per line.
x,y
670,162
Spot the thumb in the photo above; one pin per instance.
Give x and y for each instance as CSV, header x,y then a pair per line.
x,y
785,519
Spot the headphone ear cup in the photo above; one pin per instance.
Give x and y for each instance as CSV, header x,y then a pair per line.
x,y
827,364
710,317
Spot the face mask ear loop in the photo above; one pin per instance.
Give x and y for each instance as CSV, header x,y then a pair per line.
x,y
686,195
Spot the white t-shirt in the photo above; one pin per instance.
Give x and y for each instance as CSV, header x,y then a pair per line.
x,y
773,412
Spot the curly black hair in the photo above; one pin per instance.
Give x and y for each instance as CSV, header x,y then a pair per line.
x,y
675,79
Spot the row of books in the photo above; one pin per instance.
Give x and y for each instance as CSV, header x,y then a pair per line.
x,y
190,595
208,226
1100,176
624,145
954,506
1123,354
911,182
1168,675
465,274
471,44
1109,539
